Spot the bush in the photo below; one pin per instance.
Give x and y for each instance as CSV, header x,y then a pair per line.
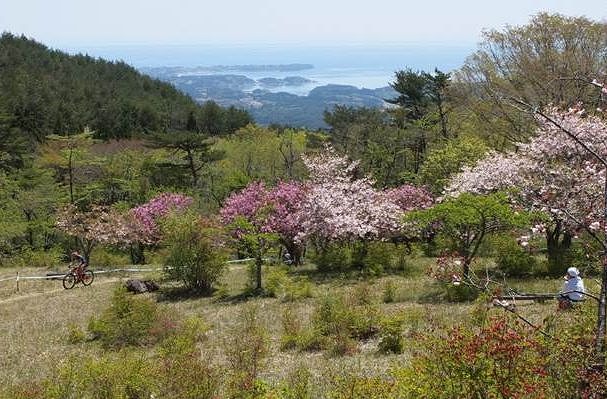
x,y
183,373
38,259
104,259
130,321
391,338
378,256
122,375
389,292
75,335
502,357
246,349
336,323
460,293
291,327
280,285
512,259
335,257
196,256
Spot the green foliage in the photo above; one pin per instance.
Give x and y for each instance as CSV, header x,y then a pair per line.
x,y
75,334
50,259
280,285
123,375
46,91
255,153
130,321
196,256
103,258
467,220
183,373
391,339
460,293
512,259
246,350
337,323
291,329
335,257
443,162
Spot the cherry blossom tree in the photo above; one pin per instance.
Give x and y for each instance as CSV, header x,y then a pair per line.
x,y
267,210
340,206
561,171
145,217
99,226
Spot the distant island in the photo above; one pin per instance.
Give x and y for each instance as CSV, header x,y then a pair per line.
x,y
267,98
217,69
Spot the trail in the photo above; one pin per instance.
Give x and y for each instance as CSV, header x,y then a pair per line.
x,y
17,298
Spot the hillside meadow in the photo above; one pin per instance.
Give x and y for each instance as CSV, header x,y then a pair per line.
x,y
41,323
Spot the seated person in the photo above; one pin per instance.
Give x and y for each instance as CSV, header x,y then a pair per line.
x,y
573,289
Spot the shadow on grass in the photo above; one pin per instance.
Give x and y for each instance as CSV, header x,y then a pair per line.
x,y
241,297
178,294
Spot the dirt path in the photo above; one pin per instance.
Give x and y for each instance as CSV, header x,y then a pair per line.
x,y
18,297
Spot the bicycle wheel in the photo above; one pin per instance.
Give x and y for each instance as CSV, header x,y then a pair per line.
x,y
87,277
69,280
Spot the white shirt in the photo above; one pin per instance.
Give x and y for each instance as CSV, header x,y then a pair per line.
x,y
574,284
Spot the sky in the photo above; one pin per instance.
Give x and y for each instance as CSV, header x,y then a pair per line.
x,y
77,23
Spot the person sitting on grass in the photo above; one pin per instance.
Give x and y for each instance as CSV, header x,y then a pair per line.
x,y
573,289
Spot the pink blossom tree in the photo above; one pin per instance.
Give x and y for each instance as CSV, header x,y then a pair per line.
x,y
144,219
562,171
340,206
273,210
99,226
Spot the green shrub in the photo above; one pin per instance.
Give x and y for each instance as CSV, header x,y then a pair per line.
x,y
291,329
512,259
335,257
130,320
50,259
391,338
121,375
280,285
502,357
379,256
246,349
298,384
460,293
336,323
75,335
196,256
104,259
183,373
389,292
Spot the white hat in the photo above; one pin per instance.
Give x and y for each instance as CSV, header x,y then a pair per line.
x,y
573,272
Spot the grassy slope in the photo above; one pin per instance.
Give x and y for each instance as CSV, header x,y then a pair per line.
x,y
34,327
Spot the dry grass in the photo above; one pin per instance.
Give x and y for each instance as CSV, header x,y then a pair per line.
x,y
35,321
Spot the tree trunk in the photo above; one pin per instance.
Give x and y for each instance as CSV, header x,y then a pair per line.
x,y
71,176
602,311
558,244
258,265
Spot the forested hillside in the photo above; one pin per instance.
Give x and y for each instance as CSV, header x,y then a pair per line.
x,y
45,91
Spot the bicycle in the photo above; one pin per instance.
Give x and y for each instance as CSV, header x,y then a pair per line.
x,y
78,275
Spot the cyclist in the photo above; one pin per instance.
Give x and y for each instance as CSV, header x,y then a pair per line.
x,y
76,257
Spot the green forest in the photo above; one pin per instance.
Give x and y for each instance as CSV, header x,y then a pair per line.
x,y
412,251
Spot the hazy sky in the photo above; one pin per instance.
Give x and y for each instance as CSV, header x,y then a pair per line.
x,y
107,22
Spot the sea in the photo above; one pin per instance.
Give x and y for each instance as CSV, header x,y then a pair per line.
x,y
362,66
